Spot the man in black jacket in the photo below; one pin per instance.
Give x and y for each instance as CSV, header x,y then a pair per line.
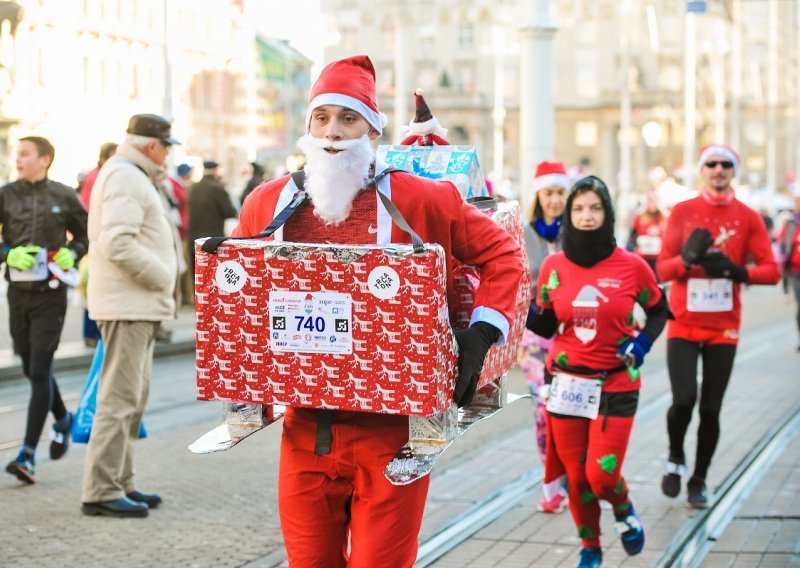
x,y
209,207
36,214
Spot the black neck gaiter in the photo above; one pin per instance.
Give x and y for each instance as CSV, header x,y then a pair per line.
x,y
587,248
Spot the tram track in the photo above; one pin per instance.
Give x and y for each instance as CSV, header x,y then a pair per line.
x,y
689,546
506,497
696,538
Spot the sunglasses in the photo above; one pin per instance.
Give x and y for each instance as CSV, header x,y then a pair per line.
x,y
713,164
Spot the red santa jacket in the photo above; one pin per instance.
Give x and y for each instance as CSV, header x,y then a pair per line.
x,y
439,214
739,233
647,230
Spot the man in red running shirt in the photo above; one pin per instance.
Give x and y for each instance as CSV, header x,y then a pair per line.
x,y
707,243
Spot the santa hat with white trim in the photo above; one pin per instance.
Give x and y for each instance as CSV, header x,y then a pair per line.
x,y
423,122
549,174
349,83
722,150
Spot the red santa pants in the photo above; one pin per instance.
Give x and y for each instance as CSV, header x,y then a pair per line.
x,y
592,455
320,497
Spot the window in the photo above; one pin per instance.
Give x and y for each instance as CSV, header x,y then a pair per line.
x,y
85,73
349,38
465,80
586,79
586,134
40,67
133,92
427,38
387,34
466,35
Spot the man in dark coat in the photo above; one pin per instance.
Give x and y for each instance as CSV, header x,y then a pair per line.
x,y
209,207
255,180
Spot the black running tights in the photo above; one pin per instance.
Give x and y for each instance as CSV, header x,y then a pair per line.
x,y
682,364
45,395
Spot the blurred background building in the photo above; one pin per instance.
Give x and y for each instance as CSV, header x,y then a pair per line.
x,y
74,71
743,73
619,80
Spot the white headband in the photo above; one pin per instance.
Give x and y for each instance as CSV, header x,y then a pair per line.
x,y
716,150
375,119
550,180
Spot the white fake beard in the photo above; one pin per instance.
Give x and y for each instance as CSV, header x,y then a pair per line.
x,y
334,180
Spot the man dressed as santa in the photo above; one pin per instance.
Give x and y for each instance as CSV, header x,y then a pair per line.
x,y
331,479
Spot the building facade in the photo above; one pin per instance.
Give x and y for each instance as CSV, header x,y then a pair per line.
x,y
283,81
75,71
745,95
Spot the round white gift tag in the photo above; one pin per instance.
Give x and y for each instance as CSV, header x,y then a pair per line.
x,y
230,276
384,282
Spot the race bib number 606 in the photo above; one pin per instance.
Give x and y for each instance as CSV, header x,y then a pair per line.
x,y
574,396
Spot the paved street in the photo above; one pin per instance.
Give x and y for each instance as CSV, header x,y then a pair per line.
x,y
220,509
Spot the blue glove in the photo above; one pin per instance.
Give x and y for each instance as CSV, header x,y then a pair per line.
x,y
632,352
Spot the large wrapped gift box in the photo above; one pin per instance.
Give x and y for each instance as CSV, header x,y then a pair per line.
x,y
466,279
324,326
458,164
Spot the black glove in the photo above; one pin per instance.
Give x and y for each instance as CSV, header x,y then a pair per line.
x,y
696,246
718,265
473,344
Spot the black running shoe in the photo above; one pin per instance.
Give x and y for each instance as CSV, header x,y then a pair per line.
x,y
60,438
671,482
697,496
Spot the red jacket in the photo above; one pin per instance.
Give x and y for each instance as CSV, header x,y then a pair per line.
x,y
651,228
747,239
86,187
439,214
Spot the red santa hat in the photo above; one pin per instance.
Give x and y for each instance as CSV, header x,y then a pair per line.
x,y
349,83
549,174
423,122
722,150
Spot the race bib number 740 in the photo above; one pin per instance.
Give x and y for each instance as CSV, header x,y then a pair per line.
x,y
310,322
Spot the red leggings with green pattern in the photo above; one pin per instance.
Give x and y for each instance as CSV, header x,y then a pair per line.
x,y
592,452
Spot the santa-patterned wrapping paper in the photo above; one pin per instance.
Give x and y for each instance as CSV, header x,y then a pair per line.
x,y
324,326
458,164
499,360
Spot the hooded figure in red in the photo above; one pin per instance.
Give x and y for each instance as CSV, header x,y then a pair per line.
x,y
585,299
331,481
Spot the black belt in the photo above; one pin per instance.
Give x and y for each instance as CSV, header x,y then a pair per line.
x,y
322,445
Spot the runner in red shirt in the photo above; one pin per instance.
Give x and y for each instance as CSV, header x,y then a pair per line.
x,y
789,240
707,243
585,298
647,230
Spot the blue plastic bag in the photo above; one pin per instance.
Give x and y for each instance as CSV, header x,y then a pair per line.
x,y
84,415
